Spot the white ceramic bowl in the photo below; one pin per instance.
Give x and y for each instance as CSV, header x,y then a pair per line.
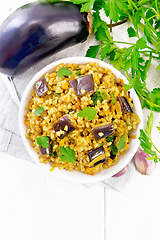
x,y
77,176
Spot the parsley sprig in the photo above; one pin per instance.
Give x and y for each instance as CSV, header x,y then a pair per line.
x,y
133,57
146,141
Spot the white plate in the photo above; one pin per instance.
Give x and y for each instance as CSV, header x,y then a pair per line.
x,y
77,176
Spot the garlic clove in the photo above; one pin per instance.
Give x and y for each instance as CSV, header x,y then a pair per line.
x,y
143,165
122,172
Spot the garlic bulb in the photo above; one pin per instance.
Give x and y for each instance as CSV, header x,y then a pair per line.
x,y
143,165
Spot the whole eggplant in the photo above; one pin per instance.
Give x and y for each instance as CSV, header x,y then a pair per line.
x,y
37,30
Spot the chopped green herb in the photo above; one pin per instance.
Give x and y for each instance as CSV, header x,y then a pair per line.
x,y
38,111
56,94
104,94
121,143
78,73
43,141
53,154
96,96
101,144
64,72
113,99
88,112
113,149
110,138
67,155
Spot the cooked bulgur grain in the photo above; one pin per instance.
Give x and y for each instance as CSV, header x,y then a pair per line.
x,y
61,100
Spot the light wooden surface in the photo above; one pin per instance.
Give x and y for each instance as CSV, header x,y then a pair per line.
x,y
36,206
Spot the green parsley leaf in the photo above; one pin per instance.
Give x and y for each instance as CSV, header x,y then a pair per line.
x,y
141,43
96,21
113,99
153,100
149,15
114,8
96,96
134,58
88,6
148,33
136,83
43,141
67,155
101,34
128,52
93,51
131,32
87,112
118,60
64,72
121,143
105,50
99,4
38,111
146,68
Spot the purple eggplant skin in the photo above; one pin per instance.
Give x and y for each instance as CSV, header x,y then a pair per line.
x,y
85,83
61,124
41,87
45,151
37,30
96,153
125,106
103,131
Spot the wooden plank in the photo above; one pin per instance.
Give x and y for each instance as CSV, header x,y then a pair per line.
x,y
35,205
135,213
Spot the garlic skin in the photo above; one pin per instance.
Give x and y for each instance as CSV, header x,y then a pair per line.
x,y
143,165
123,171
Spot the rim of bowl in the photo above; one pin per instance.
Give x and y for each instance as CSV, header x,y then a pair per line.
x,y
77,176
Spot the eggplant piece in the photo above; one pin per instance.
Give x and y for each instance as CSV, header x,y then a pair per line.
x,y
45,151
103,131
96,157
39,29
41,87
125,106
63,127
83,85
